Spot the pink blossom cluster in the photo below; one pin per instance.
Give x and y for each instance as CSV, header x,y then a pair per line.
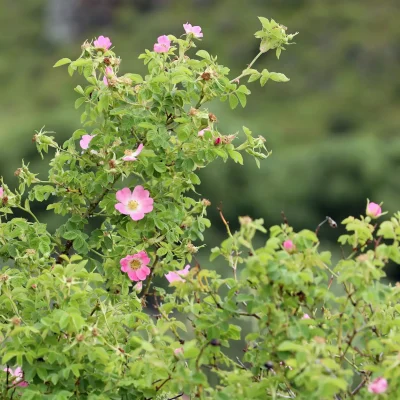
x,y
135,203
373,210
379,385
164,43
135,266
18,376
194,30
176,276
108,75
289,246
102,43
85,141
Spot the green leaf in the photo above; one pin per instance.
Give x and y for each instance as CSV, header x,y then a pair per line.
x,y
63,61
203,54
159,167
82,62
264,79
236,156
277,77
79,102
243,89
136,78
242,98
233,101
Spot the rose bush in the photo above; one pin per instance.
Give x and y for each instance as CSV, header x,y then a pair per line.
x,y
73,301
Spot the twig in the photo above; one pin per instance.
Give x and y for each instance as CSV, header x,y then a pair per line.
x,y
285,220
330,221
145,291
361,385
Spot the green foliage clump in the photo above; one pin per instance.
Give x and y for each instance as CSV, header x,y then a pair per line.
x,y
77,326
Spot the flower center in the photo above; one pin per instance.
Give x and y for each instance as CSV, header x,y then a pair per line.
x,y
128,152
135,264
133,205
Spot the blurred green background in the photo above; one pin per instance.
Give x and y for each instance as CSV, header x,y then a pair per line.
x,y
333,129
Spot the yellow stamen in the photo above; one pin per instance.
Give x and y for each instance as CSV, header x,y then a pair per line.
x,y
135,264
133,205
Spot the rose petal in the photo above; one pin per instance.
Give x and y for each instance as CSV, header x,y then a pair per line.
x,y
124,195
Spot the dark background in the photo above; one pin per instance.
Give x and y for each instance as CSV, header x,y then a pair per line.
x,y
333,129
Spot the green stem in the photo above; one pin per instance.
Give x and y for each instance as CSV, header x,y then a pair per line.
x,y
248,67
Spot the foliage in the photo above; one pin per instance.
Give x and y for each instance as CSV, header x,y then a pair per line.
x,y
78,315
315,328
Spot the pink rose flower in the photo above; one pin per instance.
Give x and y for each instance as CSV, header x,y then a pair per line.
x,y
102,43
379,385
86,139
195,30
203,131
288,245
131,155
176,276
1,192
18,374
306,316
374,210
163,44
136,266
135,204
178,351
108,74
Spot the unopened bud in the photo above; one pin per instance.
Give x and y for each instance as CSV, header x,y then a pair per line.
x,y
16,321
112,164
80,337
206,203
228,139
125,80
215,342
212,117
191,248
217,141
319,340
193,111
246,220
85,45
